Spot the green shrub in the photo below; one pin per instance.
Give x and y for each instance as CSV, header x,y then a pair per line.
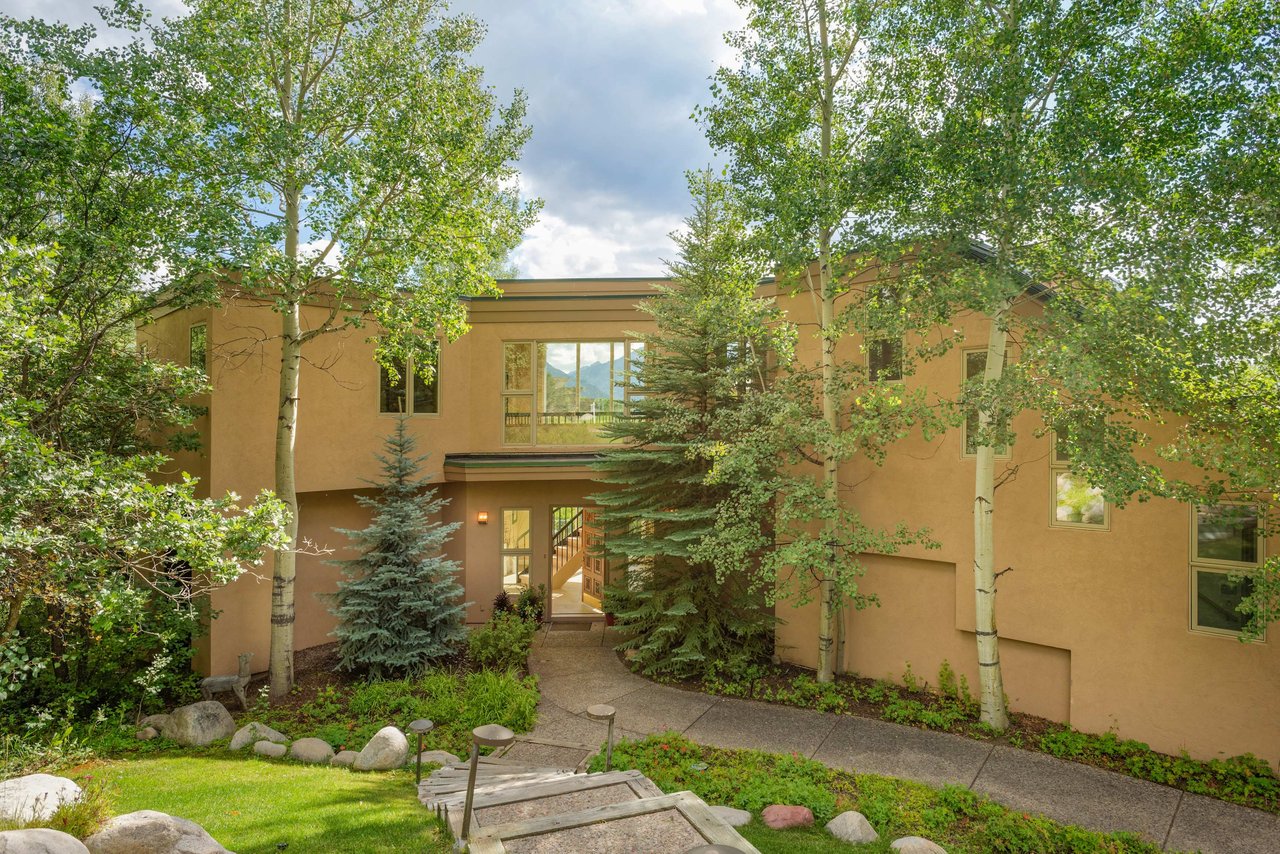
x,y
456,703
503,643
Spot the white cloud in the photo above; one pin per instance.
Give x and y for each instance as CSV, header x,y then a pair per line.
x,y
620,244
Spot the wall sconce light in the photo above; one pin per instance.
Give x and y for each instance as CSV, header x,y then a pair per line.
x,y
483,517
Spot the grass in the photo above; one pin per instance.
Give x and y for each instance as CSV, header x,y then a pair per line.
x,y
957,819
252,805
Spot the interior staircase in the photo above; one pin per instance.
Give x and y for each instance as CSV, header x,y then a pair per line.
x,y
533,809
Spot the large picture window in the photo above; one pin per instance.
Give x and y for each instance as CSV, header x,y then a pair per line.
x,y
408,393
1224,543
1076,502
565,392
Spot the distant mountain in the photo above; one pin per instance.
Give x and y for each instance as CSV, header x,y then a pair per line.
x,y
595,378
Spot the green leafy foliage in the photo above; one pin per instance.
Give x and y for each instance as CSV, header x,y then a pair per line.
x,y
701,370
455,702
503,643
401,606
102,560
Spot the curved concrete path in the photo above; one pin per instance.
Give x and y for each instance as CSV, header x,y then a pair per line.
x,y
577,668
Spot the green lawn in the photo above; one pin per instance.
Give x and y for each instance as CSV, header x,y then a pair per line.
x,y
252,805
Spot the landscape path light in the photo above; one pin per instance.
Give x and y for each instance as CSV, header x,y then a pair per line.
x,y
601,712
420,727
489,735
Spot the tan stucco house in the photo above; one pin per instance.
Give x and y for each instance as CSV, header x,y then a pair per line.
x,y
1113,619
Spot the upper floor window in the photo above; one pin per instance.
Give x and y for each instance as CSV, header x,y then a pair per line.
x,y
565,392
409,392
884,360
198,347
1224,542
975,364
1076,503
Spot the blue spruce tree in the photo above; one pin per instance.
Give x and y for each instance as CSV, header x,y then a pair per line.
x,y
401,605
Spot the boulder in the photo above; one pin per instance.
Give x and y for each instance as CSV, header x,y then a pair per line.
x,y
388,749
916,845
146,734
346,758
40,841
780,817
852,827
156,722
314,750
269,748
732,817
253,732
436,757
35,797
151,832
199,724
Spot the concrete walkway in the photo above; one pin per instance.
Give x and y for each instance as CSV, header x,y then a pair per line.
x,y
579,668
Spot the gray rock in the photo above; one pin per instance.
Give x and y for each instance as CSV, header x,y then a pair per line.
x,y
40,841
314,750
346,758
35,797
853,827
199,724
253,732
156,722
151,832
916,845
269,748
387,750
146,734
732,817
438,757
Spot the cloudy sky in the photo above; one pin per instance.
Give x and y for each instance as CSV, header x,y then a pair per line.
x,y
611,85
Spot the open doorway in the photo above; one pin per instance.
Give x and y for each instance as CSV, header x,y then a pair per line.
x,y
577,567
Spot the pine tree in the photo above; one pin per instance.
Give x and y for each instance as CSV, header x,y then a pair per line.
x,y
698,373
401,606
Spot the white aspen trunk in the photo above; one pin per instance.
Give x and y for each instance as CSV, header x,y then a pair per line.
x,y
282,581
993,711
827,600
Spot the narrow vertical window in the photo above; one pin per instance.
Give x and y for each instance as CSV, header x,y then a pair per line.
x,y
198,351
393,390
517,550
975,365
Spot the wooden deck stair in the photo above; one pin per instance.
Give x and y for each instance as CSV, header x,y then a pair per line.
x,y
540,810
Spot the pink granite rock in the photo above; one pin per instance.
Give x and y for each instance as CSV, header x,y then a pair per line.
x,y
781,817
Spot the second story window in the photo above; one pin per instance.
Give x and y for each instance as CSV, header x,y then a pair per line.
x,y
975,365
1076,503
884,360
565,392
409,393
1225,544
198,350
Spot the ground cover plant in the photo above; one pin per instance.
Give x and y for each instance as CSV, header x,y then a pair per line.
x,y
959,820
254,806
1245,780
456,702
